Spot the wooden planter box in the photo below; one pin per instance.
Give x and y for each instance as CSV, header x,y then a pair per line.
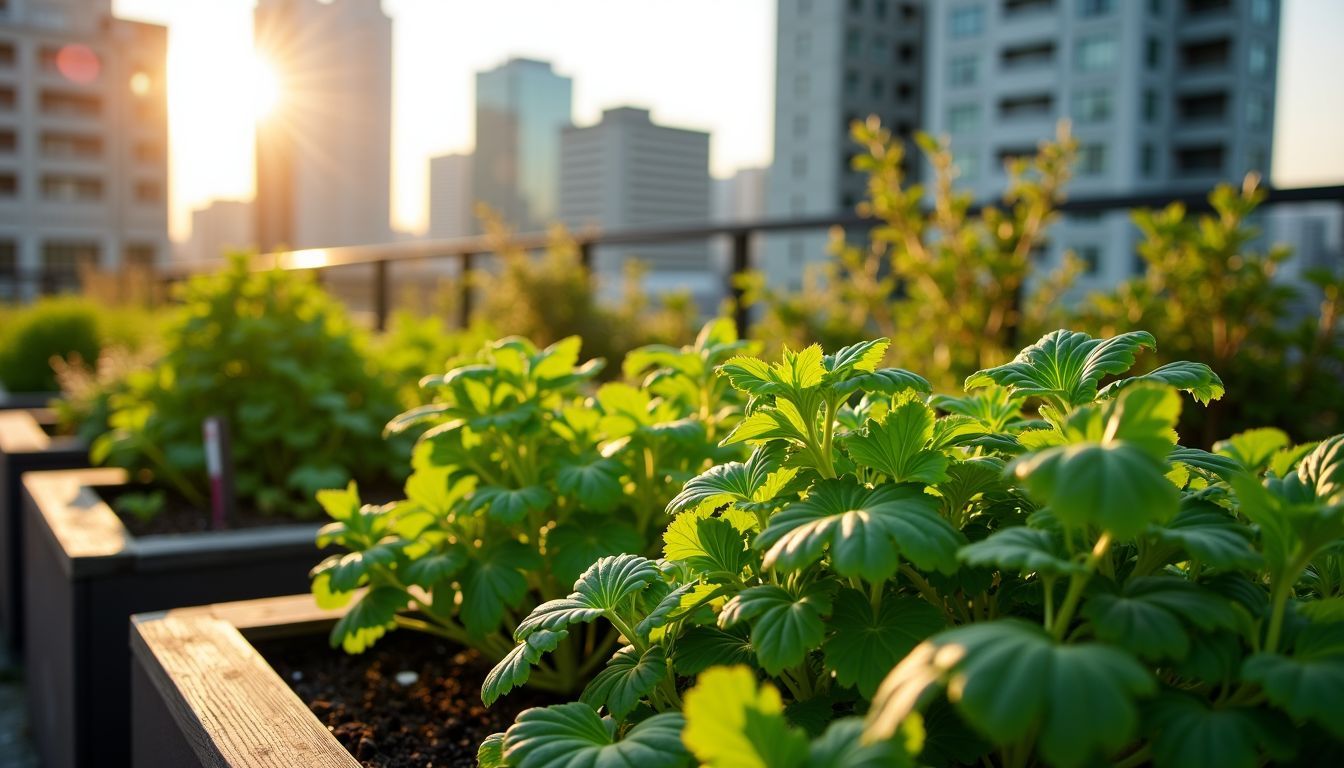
x,y
202,696
25,446
85,575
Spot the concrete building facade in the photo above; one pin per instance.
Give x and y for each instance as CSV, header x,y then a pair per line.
x,y
220,228
627,172
450,196
1161,95
836,61
324,155
521,108
83,143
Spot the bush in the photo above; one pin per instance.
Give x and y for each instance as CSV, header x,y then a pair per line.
x,y
525,474
893,578
278,360
64,328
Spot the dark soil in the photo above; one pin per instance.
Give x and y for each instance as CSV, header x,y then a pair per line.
x,y
437,721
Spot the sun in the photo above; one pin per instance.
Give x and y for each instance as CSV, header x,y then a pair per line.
x,y
265,85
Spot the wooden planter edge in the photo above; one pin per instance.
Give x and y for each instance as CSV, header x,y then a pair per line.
x,y
229,704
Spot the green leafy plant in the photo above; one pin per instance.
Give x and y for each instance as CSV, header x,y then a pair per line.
x,y
892,578
525,473
64,329
277,359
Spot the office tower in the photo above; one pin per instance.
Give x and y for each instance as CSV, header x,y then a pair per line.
x,y
627,172
521,108
83,143
221,228
324,154
836,61
1162,95
741,197
450,197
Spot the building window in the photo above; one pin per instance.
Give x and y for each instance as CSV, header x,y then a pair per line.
x,y
1202,107
878,49
1028,56
1258,161
63,259
803,44
1008,155
967,21
963,118
71,145
9,186
148,192
1093,105
856,6
8,98
138,256
904,91
9,140
1095,54
905,54
8,54
1207,160
1147,161
1089,9
1152,106
880,7
1257,110
851,83
800,125
967,162
961,71
853,42
1152,52
1028,107
1155,7
9,270
1092,159
1206,54
876,87
69,188
1090,255
1259,57
799,166
800,84
66,104
149,152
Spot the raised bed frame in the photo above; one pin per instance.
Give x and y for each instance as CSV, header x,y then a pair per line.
x,y
86,575
202,696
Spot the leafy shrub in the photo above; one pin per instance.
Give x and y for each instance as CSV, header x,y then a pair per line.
x,y
897,579
525,475
63,328
956,288
414,346
275,357
1211,294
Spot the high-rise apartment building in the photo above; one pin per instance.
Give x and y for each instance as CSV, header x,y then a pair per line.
x,y
1161,94
324,154
83,143
628,172
450,198
836,61
521,108
221,228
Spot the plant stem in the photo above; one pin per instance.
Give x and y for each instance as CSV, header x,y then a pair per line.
x,y
1076,584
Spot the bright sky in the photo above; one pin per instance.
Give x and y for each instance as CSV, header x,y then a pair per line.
x,y
713,75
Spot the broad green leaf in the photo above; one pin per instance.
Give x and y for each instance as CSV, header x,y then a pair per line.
x,y
1212,463
1186,732
770,423
510,505
368,619
514,669
492,580
1065,365
628,677
671,603
1115,487
733,723
595,485
1286,459
1208,533
1196,378
841,747
864,645
1322,470
1309,685
863,357
800,370
706,544
557,360
1149,616
573,736
867,531
1253,448
340,504
491,752
895,446
609,581
967,480
1079,698
1021,549
574,546
884,381
431,569
750,375
732,481
700,648
784,626
992,407
351,570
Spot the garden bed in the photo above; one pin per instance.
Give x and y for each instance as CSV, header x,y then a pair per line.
x,y
255,683
27,443
85,574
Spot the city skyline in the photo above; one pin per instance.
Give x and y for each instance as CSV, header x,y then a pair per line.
x,y
728,91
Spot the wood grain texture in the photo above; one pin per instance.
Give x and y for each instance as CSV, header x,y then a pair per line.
x,y
21,432
76,517
231,707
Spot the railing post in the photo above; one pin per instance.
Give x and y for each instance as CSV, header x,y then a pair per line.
x,y
741,262
380,297
586,257
464,291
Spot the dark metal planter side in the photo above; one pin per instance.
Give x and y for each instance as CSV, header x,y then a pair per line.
x,y
24,447
21,400
202,697
85,575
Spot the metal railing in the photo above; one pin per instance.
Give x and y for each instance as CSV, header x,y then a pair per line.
x,y
468,252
